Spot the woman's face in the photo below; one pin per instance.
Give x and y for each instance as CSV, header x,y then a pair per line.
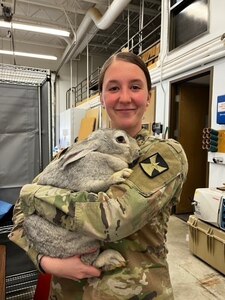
x,y
125,96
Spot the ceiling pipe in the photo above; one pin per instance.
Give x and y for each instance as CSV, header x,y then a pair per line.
x,y
193,55
198,56
187,67
101,21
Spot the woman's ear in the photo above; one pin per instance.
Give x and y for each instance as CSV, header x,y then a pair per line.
x,y
148,99
102,102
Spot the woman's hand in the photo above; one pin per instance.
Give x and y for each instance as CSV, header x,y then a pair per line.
x,y
70,267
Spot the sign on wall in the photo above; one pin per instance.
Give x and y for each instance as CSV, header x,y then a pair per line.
x,y
221,109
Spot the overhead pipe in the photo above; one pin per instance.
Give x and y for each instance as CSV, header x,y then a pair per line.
x,y
101,21
188,67
199,57
193,55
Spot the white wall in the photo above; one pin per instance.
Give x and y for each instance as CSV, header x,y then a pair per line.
x,y
207,51
217,171
216,28
186,60
218,89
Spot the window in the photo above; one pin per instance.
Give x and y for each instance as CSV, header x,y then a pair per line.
x,y
188,20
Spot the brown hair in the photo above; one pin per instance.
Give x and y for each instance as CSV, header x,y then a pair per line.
x,y
128,57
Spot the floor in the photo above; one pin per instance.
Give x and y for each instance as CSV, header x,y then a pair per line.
x,y
191,277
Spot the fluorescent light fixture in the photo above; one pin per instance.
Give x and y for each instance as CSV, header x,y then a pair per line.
x,y
45,30
41,56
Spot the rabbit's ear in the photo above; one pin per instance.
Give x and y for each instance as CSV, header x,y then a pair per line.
x,y
77,152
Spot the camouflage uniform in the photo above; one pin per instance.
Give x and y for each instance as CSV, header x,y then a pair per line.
x,y
131,218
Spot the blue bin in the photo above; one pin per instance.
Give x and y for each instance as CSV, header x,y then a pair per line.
x,y
4,208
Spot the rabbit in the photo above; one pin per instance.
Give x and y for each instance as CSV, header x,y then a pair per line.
x,y
55,241
91,165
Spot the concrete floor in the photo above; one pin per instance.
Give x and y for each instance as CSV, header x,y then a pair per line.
x,y
192,279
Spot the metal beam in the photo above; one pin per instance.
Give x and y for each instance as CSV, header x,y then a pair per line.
x,y
148,11
55,7
158,2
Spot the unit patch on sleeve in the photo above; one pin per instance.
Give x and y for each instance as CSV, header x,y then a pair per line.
x,y
154,165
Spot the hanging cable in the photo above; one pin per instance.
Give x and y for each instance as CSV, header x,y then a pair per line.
x,y
13,44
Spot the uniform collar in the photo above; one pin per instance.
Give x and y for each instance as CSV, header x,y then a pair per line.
x,y
142,135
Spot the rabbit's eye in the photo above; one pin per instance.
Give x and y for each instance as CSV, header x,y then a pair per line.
x,y
120,139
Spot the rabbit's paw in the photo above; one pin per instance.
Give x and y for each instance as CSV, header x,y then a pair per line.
x,y
109,260
120,176
126,172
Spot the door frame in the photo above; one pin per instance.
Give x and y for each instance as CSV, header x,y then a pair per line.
x,y
172,107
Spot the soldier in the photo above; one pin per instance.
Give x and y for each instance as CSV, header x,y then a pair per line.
x,y
130,217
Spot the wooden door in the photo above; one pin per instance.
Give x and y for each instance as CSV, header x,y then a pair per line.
x,y
192,118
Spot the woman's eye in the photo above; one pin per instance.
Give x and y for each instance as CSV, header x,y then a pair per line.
x,y
113,88
135,87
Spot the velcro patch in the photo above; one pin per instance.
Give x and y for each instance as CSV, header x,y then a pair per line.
x,y
154,165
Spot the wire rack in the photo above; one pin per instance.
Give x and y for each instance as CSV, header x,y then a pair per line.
x,y
22,75
20,285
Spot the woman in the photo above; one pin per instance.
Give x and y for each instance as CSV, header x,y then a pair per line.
x,y
134,216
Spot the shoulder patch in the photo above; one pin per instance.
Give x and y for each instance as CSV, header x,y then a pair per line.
x,y
154,165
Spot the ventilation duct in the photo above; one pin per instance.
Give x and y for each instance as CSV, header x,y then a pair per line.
x,y
101,21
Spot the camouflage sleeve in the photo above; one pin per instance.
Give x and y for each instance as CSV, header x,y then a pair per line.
x,y
17,236
157,180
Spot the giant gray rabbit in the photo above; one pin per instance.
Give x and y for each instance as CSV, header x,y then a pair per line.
x,y
92,165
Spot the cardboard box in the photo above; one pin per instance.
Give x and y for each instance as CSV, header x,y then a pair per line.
x,y
86,128
145,56
152,52
207,242
221,141
153,64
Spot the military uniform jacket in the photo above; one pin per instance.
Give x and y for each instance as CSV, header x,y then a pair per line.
x,y
130,217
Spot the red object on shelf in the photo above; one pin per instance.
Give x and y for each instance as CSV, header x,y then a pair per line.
x,y
43,287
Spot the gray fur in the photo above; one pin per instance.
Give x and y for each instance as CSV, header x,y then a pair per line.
x,y
91,165
55,241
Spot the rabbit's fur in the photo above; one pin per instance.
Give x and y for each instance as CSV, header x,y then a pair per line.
x,y
91,165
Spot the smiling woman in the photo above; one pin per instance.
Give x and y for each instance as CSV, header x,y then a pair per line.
x,y
130,217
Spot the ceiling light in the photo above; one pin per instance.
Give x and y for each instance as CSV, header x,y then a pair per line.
x,y
39,29
33,55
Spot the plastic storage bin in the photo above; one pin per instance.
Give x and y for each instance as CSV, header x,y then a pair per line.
x,y
207,242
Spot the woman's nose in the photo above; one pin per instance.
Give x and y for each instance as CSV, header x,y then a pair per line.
x,y
125,95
